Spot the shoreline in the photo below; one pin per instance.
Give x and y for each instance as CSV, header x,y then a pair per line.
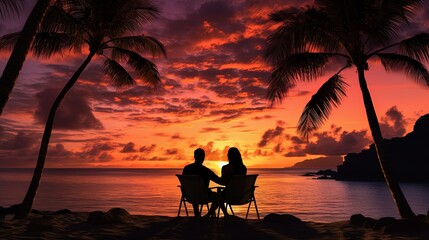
x,y
117,223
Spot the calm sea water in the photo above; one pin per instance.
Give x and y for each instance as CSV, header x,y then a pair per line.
x,y
155,192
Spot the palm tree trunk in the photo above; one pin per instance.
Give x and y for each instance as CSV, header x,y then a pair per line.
x,y
27,203
401,202
23,44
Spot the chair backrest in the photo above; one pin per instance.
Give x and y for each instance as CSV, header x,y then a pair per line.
x,y
240,189
193,188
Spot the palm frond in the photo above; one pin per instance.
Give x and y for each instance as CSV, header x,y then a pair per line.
x,y
382,19
131,16
285,15
140,44
119,76
411,67
57,19
8,41
47,44
298,67
302,30
146,69
10,8
318,109
416,47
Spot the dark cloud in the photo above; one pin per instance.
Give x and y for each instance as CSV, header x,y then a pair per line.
x,y
212,153
74,112
105,157
262,117
171,151
176,136
209,129
129,148
198,103
95,149
271,134
20,141
59,151
337,142
393,124
147,149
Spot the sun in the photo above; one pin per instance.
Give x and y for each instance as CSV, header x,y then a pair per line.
x,y
221,164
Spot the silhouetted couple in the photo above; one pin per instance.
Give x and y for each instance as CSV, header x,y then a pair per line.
x,y
235,166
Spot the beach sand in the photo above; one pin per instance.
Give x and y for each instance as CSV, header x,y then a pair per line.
x,y
101,225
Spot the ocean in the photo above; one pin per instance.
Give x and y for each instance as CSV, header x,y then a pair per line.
x,y
156,192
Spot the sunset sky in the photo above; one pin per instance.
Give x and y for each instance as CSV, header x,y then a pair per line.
x,y
214,84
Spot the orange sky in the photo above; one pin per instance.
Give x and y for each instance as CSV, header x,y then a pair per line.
x,y
213,97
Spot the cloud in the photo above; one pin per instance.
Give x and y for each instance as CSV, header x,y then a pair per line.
x,y
271,134
96,152
74,112
177,136
20,141
338,142
393,123
335,142
129,148
171,151
209,129
59,151
147,149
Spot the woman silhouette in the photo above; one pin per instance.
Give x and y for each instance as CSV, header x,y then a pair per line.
x,y
235,166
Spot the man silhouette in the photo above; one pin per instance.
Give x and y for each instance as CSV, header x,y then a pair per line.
x,y
206,174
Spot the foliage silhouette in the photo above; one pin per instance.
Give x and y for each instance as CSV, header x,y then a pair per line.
x,y
22,46
103,27
348,32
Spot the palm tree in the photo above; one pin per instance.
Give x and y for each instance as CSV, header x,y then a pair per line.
x,y
349,33
102,26
25,39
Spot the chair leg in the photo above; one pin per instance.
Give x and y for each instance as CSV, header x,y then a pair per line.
x,y
201,209
230,207
186,209
256,207
248,208
180,206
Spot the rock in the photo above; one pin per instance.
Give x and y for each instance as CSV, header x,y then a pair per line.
x,y
408,157
37,212
383,222
357,219
41,224
327,172
274,218
99,217
421,217
63,211
404,225
370,222
119,215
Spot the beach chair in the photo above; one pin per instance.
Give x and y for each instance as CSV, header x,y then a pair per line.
x,y
193,191
240,190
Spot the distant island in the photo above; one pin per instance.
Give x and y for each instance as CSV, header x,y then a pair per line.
x,y
409,159
319,163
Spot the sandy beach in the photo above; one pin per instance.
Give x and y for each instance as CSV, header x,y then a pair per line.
x,y
118,224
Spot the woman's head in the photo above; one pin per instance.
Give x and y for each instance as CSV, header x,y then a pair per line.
x,y
234,156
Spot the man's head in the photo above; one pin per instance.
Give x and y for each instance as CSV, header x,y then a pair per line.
x,y
199,155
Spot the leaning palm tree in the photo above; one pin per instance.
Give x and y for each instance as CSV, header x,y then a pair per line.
x,y
23,44
345,33
102,26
